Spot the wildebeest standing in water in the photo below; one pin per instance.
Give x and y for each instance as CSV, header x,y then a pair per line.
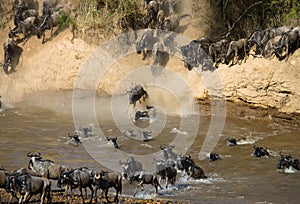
x,y
136,94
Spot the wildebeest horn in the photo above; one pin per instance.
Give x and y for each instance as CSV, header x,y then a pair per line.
x,y
29,154
39,154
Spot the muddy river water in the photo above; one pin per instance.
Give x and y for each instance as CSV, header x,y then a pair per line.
x,y
42,124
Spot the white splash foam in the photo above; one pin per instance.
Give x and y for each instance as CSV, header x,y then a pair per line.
x,y
175,130
290,170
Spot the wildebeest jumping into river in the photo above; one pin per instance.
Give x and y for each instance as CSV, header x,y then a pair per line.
x,y
136,94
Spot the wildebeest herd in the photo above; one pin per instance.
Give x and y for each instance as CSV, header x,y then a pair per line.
x,y
161,21
40,175
27,22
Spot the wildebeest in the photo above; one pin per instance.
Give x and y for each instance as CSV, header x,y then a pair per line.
x,y
260,152
168,6
141,115
113,140
9,46
145,45
74,138
4,183
172,23
217,51
158,53
151,17
25,28
131,166
166,172
43,167
144,178
49,5
136,93
272,32
193,51
48,23
168,153
191,168
287,161
28,185
160,17
85,131
77,178
196,171
269,49
255,39
103,180
214,157
289,42
239,48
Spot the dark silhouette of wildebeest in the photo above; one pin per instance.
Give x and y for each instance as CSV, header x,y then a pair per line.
x,y
287,161
103,180
136,93
289,42
214,157
74,138
77,178
130,167
240,49
145,45
217,51
260,152
144,178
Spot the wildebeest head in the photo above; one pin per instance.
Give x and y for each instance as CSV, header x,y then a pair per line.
x,y
33,157
231,141
130,167
214,156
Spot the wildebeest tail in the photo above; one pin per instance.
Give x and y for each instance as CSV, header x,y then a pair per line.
x,y
120,183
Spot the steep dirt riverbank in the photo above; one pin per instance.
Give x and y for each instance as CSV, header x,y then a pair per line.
x,y
54,66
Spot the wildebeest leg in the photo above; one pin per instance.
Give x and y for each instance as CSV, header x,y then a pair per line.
x,y
106,196
139,185
43,40
287,53
81,195
117,195
43,197
92,193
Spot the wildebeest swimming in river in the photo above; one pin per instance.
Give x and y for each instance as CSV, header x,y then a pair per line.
x,y
136,94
